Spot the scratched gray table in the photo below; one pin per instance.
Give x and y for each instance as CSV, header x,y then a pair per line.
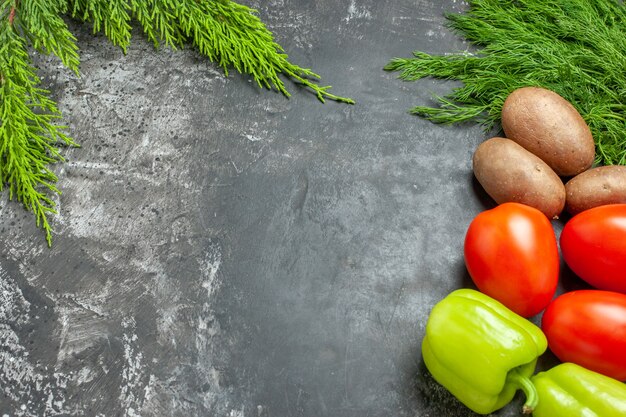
x,y
225,251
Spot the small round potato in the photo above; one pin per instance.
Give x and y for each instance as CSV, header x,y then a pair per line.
x,y
596,187
547,125
509,173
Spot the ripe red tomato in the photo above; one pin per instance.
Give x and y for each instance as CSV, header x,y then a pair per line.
x,y
588,327
512,255
593,244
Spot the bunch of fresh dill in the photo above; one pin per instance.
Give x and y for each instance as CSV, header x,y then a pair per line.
x,y
226,32
576,48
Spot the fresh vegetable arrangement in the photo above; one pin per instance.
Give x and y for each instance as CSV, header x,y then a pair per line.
x,y
551,74
512,255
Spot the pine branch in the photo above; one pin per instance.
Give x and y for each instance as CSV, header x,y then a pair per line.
x,y
28,135
576,48
226,32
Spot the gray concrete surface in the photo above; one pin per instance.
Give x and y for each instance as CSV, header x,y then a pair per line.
x,y
225,251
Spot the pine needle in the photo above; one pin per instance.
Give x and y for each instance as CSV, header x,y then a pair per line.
x,y
576,48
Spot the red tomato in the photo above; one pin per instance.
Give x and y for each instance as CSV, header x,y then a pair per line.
x,y
588,327
593,244
512,255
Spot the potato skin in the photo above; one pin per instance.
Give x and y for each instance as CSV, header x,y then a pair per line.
x,y
596,187
509,173
547,125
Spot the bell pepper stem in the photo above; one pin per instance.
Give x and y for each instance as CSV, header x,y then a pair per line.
x,y
524,383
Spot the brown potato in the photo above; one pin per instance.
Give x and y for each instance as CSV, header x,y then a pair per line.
x,y
509,173
596,187
547,125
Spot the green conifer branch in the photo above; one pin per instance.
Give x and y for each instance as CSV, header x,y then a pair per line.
x,y
227,33
28,134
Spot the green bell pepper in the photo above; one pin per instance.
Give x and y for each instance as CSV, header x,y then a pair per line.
x,y
569,390
481,351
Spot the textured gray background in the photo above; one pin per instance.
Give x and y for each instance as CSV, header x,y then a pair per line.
x,y
225,251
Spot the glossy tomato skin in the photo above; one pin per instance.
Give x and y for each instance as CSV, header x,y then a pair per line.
x,y
511,254
593,244
588,327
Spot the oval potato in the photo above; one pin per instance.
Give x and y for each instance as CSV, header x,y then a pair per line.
x,y
509,173
596,187
547,125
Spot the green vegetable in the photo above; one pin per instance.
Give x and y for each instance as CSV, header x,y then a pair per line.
x,y
226,32
481,351
576,48
569,390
